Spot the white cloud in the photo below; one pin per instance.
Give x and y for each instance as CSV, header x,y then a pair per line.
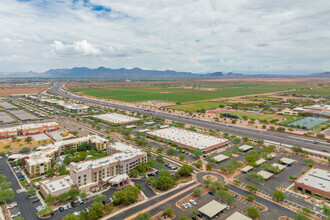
x,y
187,35
78,47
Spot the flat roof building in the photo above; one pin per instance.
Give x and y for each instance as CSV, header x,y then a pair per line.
x,y
265,174
212,208
28,129
245,147
260,161
56,186
315,181
116,118
238,216
189,139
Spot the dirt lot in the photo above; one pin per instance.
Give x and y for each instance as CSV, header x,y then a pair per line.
x,y
19,144
8,90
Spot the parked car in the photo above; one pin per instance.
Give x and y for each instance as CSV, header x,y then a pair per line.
x,y
65,208
73,204
211,193
189,205
40,207
80,201
227,207
193,218
184,206
234,196
69,206
110,199
61,209
87,210
12,205
200,215
36,200
21,176
15,215
192,202
76,213
32,197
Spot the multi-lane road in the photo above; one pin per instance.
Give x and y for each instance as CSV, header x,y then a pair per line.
x,y
273,137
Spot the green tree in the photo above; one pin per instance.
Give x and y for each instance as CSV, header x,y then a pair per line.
x,y
278,195
197,191
207,182
300,216
71,217
250,197
95,211
326,210
24,150
63,197
185,170
6,195
169,212
184,218
46,211
49,200
143,216
73,194
164,172
159,150
100,198
164,182
253,212
182,157
50,172
209,166
28,140
216,185
83,195
31,191
251,187
226,196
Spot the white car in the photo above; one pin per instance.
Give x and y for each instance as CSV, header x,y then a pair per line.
x,y
76,213
15,215
189,205
40,207
65,208
80,201
11,205
184,206
192,202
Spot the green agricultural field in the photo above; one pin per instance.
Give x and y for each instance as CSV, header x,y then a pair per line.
x,y
163,92
196,106
250,115
317,92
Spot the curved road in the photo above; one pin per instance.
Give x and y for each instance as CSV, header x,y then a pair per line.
x,y
284,139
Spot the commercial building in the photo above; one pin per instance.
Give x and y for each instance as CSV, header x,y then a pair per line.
x,y
90,175
115,118
68,106
316,181
28,129
56,186
189,139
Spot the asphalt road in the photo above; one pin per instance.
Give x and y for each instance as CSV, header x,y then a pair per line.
x,y
25,206
235,130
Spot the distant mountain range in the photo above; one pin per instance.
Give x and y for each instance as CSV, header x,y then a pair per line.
x,y
137,73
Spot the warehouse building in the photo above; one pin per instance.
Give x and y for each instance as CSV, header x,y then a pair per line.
x,y
28,129
189,139
115,118
316,181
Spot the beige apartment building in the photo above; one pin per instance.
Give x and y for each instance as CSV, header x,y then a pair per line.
x,y
37,166
89,175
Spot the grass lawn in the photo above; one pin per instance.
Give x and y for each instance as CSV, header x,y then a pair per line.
x,y
317,92
36,180
250,115
24,182
196,106
138,94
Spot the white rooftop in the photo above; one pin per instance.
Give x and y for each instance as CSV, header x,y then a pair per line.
x,y
245,147
260,161
238,216
265,174
280,166
28,126
212,208
116,118
247,169
316,178
287,160
57,183
220,157
189,138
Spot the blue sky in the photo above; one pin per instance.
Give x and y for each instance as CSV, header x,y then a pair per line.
x,y
247,36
